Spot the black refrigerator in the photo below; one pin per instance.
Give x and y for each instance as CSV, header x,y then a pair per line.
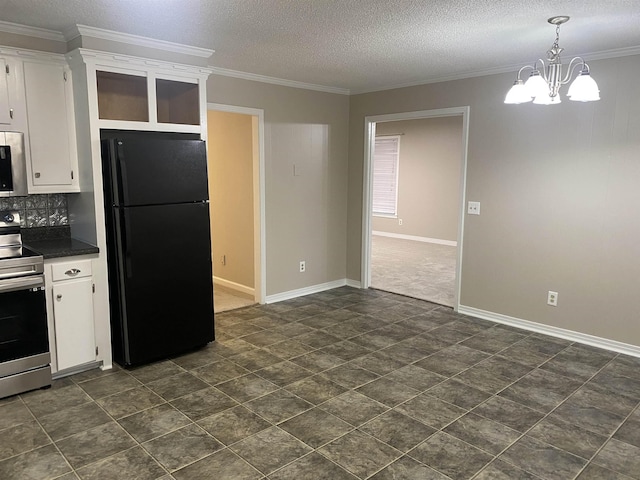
x,y
158,244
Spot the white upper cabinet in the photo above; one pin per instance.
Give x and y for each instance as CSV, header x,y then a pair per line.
x,y
13,116
5,106
147,98
132,93
36,98
165,104
49,97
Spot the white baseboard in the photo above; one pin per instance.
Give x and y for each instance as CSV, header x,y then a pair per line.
x,y
354,283
77,369
234,286
565,334
451,243
279,297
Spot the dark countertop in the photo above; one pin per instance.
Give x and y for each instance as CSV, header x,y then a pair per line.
x,y
55,242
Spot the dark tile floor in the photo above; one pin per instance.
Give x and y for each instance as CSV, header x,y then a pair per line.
x,y
343,384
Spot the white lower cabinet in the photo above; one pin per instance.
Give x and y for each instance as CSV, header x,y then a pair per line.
x,y
69,285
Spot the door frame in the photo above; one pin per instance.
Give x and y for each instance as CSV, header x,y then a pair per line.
x,y
369,138
259,234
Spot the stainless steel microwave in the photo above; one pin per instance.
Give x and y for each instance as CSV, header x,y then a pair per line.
x,y
13,166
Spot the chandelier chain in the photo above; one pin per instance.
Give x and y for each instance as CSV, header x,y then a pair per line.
x,y
555,44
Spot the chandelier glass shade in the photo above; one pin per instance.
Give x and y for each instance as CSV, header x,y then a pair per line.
x,y
544,82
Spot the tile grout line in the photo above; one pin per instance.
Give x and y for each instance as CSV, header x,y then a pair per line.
x,y
418,394
53,443
588,461
136,442
512,383
493,355
192,422
609,437
354,428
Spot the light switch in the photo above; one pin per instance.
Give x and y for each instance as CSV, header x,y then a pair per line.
x,y
473,208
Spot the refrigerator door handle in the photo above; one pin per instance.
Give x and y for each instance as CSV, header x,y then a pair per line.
x,y
121,169
127,245
123,241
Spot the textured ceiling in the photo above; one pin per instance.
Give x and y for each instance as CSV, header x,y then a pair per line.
x,y
358,45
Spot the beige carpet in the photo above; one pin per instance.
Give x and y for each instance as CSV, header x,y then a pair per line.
x,y
226,299
417,269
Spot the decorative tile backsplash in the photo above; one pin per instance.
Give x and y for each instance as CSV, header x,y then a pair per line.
x,y
47,210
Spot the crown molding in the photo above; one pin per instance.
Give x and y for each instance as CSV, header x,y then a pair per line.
x,y
36,32
83,30
80,55
605,54
444,78
33,54
278,81
615,53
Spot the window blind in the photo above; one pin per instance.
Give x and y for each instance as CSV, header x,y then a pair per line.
x,y
385,176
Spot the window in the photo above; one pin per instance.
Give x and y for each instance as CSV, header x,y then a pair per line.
x,y
385,176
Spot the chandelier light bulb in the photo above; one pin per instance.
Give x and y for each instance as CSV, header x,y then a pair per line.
x,y
518,94
536,85
546,99
584,88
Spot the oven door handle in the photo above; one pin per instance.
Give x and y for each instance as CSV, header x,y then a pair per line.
x,y
21,283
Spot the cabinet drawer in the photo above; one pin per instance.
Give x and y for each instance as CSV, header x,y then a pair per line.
x,y
70,270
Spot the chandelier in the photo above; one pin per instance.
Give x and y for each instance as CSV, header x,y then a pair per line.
x,y
545,80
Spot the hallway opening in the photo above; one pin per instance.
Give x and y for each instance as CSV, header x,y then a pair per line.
x,y
415,248
235,148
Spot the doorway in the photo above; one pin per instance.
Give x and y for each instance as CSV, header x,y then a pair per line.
x,y
235,143
415,247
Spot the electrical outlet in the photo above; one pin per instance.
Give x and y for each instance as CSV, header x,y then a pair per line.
x,y
552,298
400,221
473,208
303,266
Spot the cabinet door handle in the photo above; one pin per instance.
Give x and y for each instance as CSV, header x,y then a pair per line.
x,y
73,272
11,113
37,174
59,297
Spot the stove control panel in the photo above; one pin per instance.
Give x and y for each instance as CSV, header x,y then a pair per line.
x,y
9,219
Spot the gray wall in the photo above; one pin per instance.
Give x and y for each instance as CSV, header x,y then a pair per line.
x,y
428,178
23,41
306,214
559,192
